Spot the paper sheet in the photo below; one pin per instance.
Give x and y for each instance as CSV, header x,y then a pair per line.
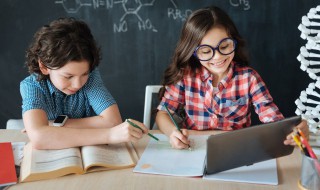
x,y
160,158
260,173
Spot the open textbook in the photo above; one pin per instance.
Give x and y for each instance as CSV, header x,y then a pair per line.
x,y
160,158
47,164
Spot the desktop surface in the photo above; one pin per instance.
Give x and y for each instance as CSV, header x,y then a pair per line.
x,y
288,175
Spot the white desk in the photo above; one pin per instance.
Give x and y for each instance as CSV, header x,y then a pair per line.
x,y
288,174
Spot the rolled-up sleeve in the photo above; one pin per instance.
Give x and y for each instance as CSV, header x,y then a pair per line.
x,y
98,95
32,96
263,101
173,96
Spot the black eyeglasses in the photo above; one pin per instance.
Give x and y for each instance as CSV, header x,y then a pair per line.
x,y
225,47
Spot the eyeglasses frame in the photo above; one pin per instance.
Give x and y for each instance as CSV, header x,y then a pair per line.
x,y
215,48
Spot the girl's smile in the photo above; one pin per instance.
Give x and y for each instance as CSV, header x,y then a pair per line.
x,y
219,64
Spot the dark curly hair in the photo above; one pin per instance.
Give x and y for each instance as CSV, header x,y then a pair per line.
x,y
194,29
63,40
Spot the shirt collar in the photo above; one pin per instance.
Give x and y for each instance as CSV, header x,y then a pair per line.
x,y
205,74
52,88
228,78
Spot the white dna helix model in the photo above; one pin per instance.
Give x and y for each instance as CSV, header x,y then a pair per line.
x,y
308,104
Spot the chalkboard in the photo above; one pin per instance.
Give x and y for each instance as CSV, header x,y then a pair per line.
x,y
138,38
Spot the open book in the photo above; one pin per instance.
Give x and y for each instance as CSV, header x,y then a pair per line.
x,y
48,164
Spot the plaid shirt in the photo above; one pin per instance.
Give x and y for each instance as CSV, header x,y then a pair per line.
x,y
225,108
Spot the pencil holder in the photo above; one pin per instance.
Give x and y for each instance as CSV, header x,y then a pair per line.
x,y
310,176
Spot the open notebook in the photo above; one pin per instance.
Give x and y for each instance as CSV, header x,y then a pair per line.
x,y
159,158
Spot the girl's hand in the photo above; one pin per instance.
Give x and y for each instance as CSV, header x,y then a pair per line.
x,y
127,133
179,140
303,126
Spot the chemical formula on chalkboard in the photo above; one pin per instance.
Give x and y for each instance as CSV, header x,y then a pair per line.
x,y
245,4
133,7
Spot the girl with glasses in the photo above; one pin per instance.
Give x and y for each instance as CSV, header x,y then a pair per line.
x,y
209,75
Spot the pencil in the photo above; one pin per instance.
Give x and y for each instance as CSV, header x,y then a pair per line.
x,y
296,138
305,142
301,133
137,126
307,145
175,124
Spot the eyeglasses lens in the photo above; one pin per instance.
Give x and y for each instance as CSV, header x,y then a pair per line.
x,y
225,47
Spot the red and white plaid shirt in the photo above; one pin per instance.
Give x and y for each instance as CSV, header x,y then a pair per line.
x,y
225,108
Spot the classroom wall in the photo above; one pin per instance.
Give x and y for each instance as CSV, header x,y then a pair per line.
x,y
138,38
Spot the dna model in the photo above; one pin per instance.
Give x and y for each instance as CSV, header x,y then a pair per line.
x,y
308,104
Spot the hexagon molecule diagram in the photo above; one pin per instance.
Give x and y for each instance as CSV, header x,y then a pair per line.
x,y
130,7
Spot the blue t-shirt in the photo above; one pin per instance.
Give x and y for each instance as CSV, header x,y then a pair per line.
x,y
90,100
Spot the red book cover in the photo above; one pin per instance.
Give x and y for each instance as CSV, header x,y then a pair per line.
x,y
8,174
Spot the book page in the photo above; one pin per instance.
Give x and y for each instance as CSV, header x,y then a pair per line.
x,y
160,158
48,160
17,148
47,164
111,156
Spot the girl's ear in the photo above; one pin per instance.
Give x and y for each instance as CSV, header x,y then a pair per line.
x,y
43,68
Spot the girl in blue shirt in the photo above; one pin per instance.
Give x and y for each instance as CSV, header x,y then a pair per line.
x,y
64,80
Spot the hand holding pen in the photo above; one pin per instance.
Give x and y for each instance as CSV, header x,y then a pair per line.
x,y
138,127
179,137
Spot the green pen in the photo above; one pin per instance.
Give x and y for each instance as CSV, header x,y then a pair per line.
x,y
174,122
136,126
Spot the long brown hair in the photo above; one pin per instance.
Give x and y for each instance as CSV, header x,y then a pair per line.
x,y
194,29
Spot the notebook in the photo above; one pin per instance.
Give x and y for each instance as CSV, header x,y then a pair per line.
x,y
259,173
160,158
8,174
249,145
